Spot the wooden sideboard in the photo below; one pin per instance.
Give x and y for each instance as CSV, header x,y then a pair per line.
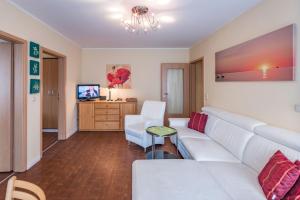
x,y
104,115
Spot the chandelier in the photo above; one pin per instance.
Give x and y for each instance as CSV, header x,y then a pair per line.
x,y
141,20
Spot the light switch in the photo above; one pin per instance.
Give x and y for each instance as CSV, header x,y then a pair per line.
x,y
206,96
297,108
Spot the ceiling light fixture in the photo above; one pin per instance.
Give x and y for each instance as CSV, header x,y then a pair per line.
x,y
142,20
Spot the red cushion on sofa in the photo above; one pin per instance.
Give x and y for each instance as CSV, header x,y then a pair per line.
x,y
198,121
278,176
294,193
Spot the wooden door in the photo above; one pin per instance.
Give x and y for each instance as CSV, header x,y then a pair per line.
x,y
175,89
196,86
86,116
6,99
50,93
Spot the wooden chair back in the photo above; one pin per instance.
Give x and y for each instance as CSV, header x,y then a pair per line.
x,y
14,184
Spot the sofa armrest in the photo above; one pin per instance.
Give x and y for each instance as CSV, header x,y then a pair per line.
x,y
179,122
133,119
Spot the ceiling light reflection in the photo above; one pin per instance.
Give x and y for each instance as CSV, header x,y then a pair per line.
x,y
167,19
163,2
116,16
115,9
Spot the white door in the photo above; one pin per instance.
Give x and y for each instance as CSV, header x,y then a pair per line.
x,y
175,89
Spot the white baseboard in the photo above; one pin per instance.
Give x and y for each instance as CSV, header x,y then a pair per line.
x,y
50,130
32,162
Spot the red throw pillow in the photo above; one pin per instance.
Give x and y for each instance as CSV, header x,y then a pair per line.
x,y
278,176
198,121
294,193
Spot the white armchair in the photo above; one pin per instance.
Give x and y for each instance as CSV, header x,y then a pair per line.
x,y
152,114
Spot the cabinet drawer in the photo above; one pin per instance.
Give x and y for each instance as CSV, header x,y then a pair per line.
x,y
100,118
113,117
113,105
100,111
113,111
107,105
107,125
100,105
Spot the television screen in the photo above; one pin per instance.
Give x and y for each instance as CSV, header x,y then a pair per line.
x,y
90,91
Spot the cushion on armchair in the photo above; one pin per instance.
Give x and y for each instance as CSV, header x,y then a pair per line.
x,y
198,121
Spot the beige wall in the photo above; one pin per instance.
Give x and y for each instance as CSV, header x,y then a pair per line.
x,y
272,102
145,66
17,22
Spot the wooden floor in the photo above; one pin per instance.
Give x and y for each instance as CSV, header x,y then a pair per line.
x,y
49,139
4,175
88,166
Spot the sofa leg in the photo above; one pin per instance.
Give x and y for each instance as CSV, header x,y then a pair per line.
x,y
145,150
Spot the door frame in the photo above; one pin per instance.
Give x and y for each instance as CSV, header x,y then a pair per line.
x,y
20,82
186,90
62,104
192,82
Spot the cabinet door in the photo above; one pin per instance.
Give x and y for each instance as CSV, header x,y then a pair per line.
x,y
50,93
86,116
128,108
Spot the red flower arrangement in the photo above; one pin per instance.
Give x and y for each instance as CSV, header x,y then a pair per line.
x,y
118,77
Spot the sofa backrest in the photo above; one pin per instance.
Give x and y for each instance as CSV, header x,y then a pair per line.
x,y
232,137
212,118
266,141
211,124
232,131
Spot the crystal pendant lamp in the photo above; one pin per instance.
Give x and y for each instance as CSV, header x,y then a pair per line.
x,y
142,20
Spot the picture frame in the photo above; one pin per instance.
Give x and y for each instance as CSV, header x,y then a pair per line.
x,y
34,50
269,57
118,76
34,68
34,86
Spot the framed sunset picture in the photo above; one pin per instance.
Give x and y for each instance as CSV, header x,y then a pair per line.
x,y
270,57
118,76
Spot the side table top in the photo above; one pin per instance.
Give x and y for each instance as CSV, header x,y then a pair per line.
x,y
161,131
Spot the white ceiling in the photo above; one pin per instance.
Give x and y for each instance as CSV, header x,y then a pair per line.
x,y
95,23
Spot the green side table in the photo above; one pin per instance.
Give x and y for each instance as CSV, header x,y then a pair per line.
x,y
161,131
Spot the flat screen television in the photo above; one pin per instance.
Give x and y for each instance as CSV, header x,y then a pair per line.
x,y
88,91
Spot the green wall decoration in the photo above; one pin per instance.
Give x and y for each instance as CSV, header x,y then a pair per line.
x,y
34,68
34,50
34,86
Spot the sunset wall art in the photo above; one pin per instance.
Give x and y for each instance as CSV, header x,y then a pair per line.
x,y
270,57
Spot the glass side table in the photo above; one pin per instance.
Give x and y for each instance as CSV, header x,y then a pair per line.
x,y
161,131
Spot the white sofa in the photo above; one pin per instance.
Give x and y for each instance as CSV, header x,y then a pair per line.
x,y
223,163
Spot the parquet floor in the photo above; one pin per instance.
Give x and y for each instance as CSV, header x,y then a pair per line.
x,y
49,139
4,175
87,166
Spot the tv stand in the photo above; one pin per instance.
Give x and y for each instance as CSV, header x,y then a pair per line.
x,y
83,100
104,115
